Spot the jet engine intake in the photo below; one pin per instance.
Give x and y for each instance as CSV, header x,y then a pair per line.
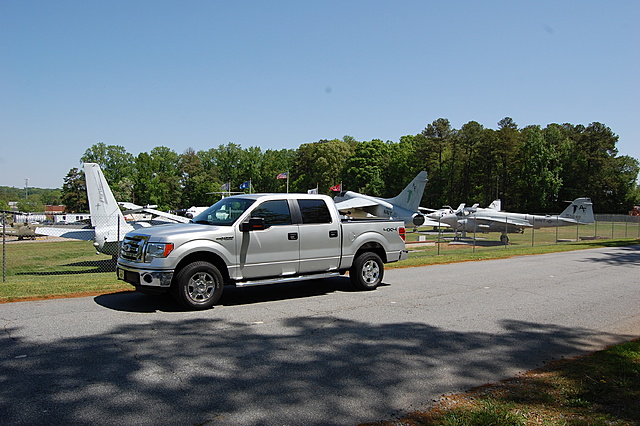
x,y
417,219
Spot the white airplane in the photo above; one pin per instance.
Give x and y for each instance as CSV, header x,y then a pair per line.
x,y
109,224
192,211
404,206
492,220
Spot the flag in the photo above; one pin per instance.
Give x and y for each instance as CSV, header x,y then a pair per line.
x,y
245,185
225,187
336,188
283,175
312,191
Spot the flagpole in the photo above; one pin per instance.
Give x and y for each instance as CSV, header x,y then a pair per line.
x,y
287,181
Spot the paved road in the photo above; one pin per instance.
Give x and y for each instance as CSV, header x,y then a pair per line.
x,y
315,352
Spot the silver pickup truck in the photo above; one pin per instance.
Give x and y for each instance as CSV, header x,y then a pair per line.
x,y
255,239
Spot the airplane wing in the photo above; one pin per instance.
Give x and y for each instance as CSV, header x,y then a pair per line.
x,y
134,208
357,203
509,221
435,223
129,206
173,217
85,234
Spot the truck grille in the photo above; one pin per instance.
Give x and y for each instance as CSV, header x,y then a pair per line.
x,y
132,248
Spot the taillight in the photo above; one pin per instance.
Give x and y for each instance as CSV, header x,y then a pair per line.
x,y
403,233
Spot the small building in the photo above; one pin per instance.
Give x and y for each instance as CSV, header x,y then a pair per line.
x,y
54,209
61,219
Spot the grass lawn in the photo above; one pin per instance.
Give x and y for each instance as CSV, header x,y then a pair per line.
x,y
44,270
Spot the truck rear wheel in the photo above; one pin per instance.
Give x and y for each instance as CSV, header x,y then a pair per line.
x,y
198,286
367,271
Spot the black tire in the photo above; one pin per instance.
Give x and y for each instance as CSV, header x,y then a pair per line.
x,y
367,271
198,286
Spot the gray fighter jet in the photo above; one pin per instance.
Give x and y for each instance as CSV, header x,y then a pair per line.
x,y
492,220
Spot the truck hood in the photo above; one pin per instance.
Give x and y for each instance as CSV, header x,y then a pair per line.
x,y
187,231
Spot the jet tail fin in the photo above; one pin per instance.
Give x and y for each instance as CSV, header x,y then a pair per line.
x,y
106,217
496,205
581,210
411,195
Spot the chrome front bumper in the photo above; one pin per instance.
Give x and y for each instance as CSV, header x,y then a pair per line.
x,y
144,277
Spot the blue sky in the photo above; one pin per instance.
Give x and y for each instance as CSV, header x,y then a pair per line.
x,y
277,74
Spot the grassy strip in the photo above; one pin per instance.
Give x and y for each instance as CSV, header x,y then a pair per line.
x,y
46,270
69,268
452,254
599,389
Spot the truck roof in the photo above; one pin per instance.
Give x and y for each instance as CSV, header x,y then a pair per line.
x,y
296,195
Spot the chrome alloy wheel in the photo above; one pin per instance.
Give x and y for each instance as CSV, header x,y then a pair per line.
x,y
201,286
370,271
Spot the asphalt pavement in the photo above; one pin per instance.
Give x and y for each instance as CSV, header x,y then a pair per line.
x,y
314,352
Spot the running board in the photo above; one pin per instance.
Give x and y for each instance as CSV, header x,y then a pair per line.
x,y
280,280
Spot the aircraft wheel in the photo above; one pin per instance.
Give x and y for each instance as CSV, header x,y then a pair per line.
x,y
504,239
198,286
367,271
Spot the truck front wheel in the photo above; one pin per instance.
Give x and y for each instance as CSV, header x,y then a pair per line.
x,y
367,271
198,286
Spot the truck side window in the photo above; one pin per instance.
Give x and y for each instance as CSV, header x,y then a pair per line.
x,y
274,212
314,211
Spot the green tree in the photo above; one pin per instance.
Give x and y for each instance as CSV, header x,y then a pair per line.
x,y
273,163
321,164
540,178
158,178
114,160
365,168
471,169
227,159
74,192
402,165
250,168
195,181
434,151
507,147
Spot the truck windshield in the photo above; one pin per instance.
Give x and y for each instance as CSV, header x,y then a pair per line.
x,y
225,212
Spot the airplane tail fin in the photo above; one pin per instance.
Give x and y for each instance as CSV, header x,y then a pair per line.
x,y
411,195
106,217
581,210
496,205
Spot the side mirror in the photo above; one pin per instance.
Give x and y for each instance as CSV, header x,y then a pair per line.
x,y
253,224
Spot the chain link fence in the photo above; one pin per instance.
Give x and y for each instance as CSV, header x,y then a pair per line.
x,y
47,252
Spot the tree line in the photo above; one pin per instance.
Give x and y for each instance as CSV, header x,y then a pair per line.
x,y
532,169
29,199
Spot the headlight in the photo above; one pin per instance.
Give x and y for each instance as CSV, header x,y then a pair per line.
x,y
157,251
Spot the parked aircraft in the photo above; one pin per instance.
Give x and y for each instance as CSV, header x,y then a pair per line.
x,y
192,211
109,224
404,206
492,220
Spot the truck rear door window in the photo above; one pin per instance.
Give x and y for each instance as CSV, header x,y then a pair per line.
x,y
314,211
274,212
